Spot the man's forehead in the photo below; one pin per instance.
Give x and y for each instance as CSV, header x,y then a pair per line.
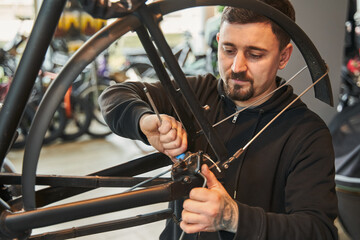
x,y
259,24
232,30
252,35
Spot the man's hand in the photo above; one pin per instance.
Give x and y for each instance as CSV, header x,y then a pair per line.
x,y
167,137
209,210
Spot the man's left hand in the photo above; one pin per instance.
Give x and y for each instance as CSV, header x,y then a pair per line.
x,y
209,209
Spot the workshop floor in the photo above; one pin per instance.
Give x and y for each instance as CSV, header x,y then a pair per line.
x,y
90,155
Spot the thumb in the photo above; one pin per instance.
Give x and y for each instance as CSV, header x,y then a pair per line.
x,y
212,181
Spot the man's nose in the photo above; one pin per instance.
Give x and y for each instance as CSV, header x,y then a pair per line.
x,y
239,63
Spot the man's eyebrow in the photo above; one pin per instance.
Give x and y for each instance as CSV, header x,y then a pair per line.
x,y
229,44
257,48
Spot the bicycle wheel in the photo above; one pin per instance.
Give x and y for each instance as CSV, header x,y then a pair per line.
x,y
53,132
56,126
78,120
97,128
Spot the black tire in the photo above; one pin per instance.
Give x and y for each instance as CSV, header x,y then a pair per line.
x,y
98,127
79,121
56,126
54,131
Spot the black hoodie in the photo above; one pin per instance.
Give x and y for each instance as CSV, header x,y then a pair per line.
x,y
284,181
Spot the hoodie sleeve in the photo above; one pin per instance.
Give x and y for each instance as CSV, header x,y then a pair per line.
x,y
123,104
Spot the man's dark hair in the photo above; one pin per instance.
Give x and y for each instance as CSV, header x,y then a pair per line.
x,y
243,16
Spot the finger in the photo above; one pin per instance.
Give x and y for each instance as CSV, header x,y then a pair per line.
x,y
194,206
212,181
175,139
149,123
170,137
192,228
170,129
193,218
166,124
184,141
203,195
179,129
173,153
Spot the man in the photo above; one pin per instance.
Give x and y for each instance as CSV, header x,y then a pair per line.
x,y
282,186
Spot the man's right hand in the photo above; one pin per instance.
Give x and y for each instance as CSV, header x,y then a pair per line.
x,y
167,137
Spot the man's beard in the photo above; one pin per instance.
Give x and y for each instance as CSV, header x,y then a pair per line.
x,y
238,92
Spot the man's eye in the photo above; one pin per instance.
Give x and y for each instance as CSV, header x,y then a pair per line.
x,y
255,56
229,51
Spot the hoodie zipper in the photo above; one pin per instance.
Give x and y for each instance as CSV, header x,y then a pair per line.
x,y
235,117
243,157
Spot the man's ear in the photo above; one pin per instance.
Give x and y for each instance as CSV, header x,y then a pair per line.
x,y
217,36
285,56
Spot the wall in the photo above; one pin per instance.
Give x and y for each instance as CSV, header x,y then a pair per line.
x,y
323,21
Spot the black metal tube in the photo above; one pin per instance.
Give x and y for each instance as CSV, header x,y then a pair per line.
x,y
19,222
134,167
105,226
90,182
211,135
137,166
27,71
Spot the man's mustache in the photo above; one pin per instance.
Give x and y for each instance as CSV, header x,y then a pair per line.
x,y
240,76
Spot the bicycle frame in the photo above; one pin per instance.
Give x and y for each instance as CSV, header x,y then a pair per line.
x,y
17,223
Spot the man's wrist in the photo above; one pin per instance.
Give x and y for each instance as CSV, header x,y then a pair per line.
x,y
141,119
230,216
